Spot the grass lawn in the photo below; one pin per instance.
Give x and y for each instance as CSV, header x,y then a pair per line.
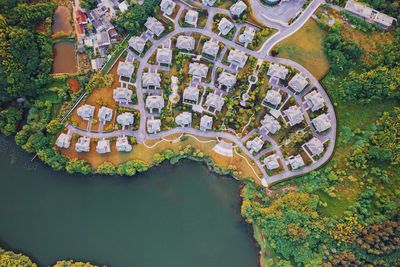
x,y
306,48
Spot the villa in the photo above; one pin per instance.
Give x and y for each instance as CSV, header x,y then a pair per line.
x,y
198,70
314,100
122,95
271,162
226,80
225,26
321,123
154,26
237,58
137,44
208,2
191,95
185,42
151,80
184,119
296,162
86,112
206,123
123,145
272,97
125,69
315,146
155,102
125,119
83,144
294,115
63,140
103,146
277,72
153,125
211,48
270,124
255,145
298,83
105,114
238,8
247,36
167,7
191,17
164,56
214,101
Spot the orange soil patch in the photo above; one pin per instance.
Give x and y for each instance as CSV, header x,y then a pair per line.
x,y
74,84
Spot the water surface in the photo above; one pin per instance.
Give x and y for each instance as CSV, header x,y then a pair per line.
x,y
64,56
61,20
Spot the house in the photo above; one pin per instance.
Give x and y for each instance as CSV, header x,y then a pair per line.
x,y
185,42
238,8
191,17
214,101
206,123
125,119
369,14
122,95
277,72
97,63
198,70
125,69
296,162
225,26
151,79
314,100
83,144
167,7
103,39
123,6
227,80
272,97
63,140
208,2
137,44
86,112
164,56
103,146
105,114
191,95
123,145
294,115
271,162
237,58
270,124
155,102
153,125
154,26
184,119
255,145
315,146
247,36
298,83
321,123
211,48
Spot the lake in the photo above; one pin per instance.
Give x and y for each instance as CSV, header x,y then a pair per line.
x,y
169,216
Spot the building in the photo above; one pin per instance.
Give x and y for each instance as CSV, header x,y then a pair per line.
x,y
272,97
226,80
137,44
191,17
125,69
86,112
151,79
294,115
191,95
270,124
167,7
296,162
123,145
208,2
277,72
185,42
247,36
125,119
83,144
298,83
238,8
153,125
103,39
63,140
206,123
271,162
225,26
321,123
103,146
155,102
211,48
184,119
154,26
214,101
122,95
237,58
315,146
198,70
255,145
369,14
105,114
97,63
164,56
314,100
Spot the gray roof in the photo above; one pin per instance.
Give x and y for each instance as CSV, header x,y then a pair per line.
x,y
103,146
153,25
227,79
247,36
105,114
198,70
191,94
184,119
185,42
206,123
85,111
153,125
63,140
167,7
315,100
296,162
278,71
211,48
270,124
273,97
191,17
255,145
322,123
225,26
294,115
315,146
271,162
298,82
215,101
238,8
164,56
125,119
155,102
137,43
237,57
121,94
83,144
125,69
151,79
123,145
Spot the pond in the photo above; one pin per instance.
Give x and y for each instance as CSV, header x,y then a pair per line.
x,y
61,20
169,216
64,58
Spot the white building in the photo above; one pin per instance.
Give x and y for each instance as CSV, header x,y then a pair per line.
x,y
247,36
122,95
184,119
63,140
315,146
125,119
322,123
83,144
153,125
277,72
123,145
198,70
125,69
155,102
185,42
272,97
314,100
237,58
255,145
270,124
208,2
225,26
191,95
86,112
206,123
103,146
167,7
211,48
154,26
164,56
214,101
296,162
227,80
298,83
105,114
191,17
294,115
151,79
238,8
271,162
137,44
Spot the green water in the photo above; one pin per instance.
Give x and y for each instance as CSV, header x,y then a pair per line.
x,y
169,216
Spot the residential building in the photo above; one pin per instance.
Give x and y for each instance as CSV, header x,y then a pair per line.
x,y
315,146
214,101
296,162
191,17
237,58
86,112
105,114
208,2
164,56
154,26
122,95
226,80
211,48
125,119
153,125
321,123
225,26
103,39
184,119
247,36
125,69
298,83
272,97
167,7
103,146
151,79
314,100
155,102
83,144
123,145
206,123
271,162
63,140
255,145
270,124
185,42
191,95
294,115
276,73
97,63
198,70
238,8
137,44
